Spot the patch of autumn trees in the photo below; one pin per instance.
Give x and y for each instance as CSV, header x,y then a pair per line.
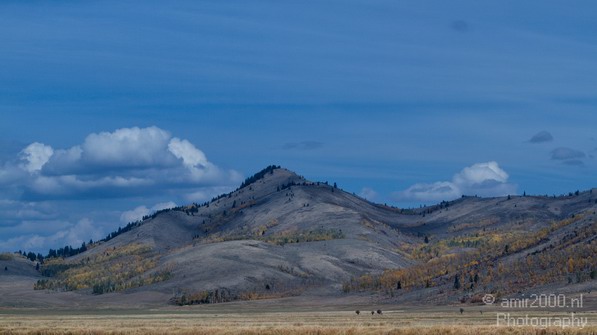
x,y
494,262
114,270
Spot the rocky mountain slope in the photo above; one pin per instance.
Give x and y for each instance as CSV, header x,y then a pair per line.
x,y
281,235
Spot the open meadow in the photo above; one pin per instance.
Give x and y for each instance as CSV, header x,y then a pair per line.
x,y
221,320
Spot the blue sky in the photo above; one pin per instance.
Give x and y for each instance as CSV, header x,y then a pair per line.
x,y
112,109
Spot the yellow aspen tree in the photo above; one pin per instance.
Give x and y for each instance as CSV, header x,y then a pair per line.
x,y
570,265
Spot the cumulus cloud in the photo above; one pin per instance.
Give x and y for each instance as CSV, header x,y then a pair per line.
x,y
479,174
126,161
44,189
438,191
127,147
368,193
134,214
139,212
13,212
68,234
34,156
541,137
206,193
184,150
483,179
121,150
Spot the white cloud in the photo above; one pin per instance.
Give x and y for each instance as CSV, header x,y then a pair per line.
x,y
35,155
368,193
81,232
64,161
126,161
197,165
134,214
191,156
480,173
127,147
69,234
122,150
483,179
206,193
438,191
163,205
24,211
110,167
139,212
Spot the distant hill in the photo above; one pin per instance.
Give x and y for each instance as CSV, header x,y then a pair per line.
x,y
280,235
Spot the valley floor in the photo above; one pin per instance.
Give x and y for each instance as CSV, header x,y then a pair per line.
x,y
25,311
235,319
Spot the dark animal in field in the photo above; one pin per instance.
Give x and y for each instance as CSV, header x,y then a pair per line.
x,y
379,312
461,310
358,312
372,312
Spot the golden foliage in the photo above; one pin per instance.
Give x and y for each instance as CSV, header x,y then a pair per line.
x,y
279,238
114,270
475,259
299,236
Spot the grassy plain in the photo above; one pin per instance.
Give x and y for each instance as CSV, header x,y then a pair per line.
x,y
197,320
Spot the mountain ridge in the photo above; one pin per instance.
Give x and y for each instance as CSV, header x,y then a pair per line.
x,y
280,235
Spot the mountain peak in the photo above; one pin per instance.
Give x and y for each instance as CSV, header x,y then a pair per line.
x,y
259,175
273,174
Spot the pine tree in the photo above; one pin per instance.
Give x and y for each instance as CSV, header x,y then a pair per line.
x,y
457,282
31,256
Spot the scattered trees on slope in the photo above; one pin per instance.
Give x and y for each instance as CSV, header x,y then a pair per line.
x,y
569,259
117,269
259,175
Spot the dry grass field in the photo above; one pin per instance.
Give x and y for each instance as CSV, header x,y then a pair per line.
x,y
195,321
